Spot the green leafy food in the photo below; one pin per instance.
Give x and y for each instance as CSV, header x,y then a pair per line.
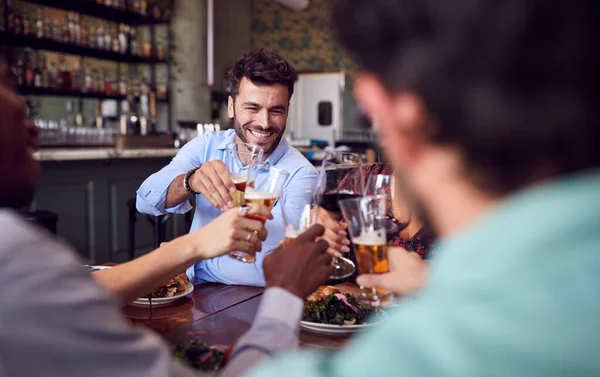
x,y
201,356
335,309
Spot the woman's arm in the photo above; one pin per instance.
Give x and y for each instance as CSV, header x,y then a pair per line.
x,y
230,231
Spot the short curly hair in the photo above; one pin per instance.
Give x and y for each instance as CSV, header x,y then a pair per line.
x,y
262,67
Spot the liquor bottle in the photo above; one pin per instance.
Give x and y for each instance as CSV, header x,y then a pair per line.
x,y
107,40
45,74
94,80
53,76
65,32
116,46
137,8
37,76
47,27
100,37
56,31
123,45
27,27
65,76
144,7
39,24
17,23
108,3
19,71
29,71
92,39
122,86
133,41
71,27
10,17
83,30
87,81
77,28
109,88
101,82
77,77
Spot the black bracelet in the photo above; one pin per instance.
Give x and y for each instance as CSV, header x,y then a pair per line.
x,y
186,182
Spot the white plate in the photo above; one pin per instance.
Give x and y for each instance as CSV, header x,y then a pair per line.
x,y
189,288
324,328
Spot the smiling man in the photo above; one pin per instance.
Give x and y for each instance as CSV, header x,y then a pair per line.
x,y
262,84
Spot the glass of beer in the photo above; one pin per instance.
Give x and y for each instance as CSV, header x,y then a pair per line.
x,y
240,159
264,187
297,221
365,217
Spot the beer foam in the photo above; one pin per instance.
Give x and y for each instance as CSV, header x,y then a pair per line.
x,y
252,194
372,237
290,232
238,178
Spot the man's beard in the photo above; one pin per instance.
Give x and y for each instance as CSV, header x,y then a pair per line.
x,y
239,131
415,204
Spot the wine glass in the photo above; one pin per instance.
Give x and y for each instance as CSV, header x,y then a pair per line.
x,y
365,218
297,223
341,178
384,184
264,187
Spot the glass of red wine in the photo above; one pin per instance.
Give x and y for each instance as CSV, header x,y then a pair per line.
x,y
342,178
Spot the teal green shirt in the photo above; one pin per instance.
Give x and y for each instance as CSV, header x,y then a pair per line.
x,y
516,294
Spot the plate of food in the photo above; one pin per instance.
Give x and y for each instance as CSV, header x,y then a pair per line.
x,y
329,311
175,289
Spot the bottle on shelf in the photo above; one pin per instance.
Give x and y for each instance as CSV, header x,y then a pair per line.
x,y
102,82
123,45
95,81
38,81
84,34
47,27
65,32
122,86
71,27
39,24
45,73
53,76
77,29
10,16
137,8
87,81
144,7
108,3
107,39
109,85
100,37
56,31
77,77
19,70
27,24
29,71
133,46
116,45
92,38
65,76
17,23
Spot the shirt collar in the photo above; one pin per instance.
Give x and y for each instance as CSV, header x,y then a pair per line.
x,y
273,158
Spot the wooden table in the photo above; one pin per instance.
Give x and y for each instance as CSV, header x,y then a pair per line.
x,y
215,314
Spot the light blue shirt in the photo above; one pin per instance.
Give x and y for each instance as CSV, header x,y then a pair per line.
x,y
152,194
517,293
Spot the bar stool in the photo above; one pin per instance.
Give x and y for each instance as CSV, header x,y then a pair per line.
x,y
158,226
45,219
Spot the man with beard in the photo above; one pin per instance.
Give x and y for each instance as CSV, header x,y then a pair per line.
x,y
262,84
488,111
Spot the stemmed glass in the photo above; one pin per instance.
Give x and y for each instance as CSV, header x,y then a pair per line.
x,y
384,184
341,178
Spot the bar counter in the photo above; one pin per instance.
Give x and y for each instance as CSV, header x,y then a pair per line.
x,y
81,154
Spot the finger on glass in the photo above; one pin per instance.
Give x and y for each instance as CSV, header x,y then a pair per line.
x,y
365,218
264,187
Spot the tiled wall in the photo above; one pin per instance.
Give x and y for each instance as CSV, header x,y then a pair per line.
x,y
304,38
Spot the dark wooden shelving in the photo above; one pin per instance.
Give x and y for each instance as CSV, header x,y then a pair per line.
x,y
67,48
90,8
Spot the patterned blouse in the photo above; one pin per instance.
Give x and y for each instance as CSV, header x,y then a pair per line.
x,y
421,242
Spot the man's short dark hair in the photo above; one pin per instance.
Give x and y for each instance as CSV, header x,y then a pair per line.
x,y
262,67
513,84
